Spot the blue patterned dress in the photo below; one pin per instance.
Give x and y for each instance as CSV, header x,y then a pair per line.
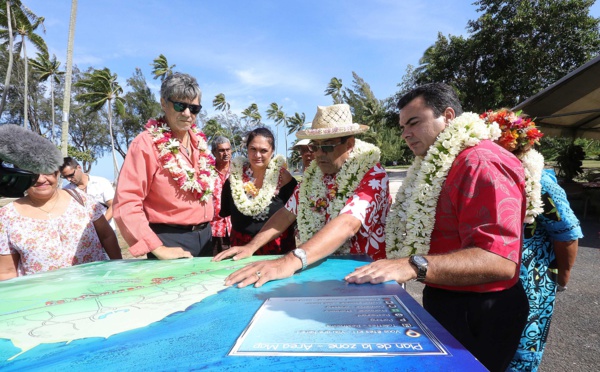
x,y
539,272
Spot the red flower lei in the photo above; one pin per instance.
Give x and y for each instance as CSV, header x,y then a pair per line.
x,y
200,182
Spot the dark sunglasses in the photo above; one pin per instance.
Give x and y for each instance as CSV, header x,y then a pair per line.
x,y
67,176
181,106
325,148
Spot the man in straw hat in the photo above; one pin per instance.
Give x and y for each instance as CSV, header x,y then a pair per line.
x,y
456,225
340,206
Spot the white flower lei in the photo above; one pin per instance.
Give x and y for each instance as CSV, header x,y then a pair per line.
x,y
199,182
254,206
412,217
313,191
533,164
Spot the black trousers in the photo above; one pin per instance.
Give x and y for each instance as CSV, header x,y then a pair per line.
x,y
197,242
489,325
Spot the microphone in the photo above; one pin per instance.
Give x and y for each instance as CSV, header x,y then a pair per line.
x,y
29,154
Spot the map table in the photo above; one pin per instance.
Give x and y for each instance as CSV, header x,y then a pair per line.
x,y
178,315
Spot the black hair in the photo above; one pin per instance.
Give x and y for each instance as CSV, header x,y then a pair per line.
x,y
263,132
69,162
437,96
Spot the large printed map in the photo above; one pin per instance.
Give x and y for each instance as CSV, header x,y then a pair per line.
x,y
76,303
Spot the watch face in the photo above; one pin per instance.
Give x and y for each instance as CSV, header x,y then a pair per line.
x,y
419,260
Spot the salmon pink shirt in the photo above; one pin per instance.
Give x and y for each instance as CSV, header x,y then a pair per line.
x,y
146,193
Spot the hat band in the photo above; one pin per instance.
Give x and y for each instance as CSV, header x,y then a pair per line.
x,y
334,130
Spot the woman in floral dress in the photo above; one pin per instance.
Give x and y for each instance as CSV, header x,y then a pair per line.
x,y
49,228
550,240
257,188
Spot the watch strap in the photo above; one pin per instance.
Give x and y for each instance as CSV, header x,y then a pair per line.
x,y
301,255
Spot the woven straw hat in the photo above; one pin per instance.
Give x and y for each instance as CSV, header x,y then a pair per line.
x,y
331,122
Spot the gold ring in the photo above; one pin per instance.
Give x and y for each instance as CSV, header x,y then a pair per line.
x,y
258,274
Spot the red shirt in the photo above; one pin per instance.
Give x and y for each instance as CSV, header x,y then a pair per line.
x,y
370,203
482,204
221,226
146,193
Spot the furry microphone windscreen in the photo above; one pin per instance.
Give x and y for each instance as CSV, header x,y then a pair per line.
x,y
28,150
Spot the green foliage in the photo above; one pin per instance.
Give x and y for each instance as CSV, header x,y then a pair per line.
x,y
99,87
569,162
296,122
251,115
139,105
83,157
514,49
161,68
212,128
380,116
334,89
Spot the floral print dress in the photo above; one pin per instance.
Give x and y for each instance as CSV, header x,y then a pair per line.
x,y
539,270
60,241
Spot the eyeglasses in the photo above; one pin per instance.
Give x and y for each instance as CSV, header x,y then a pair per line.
x,y
181,106
325,148
67,176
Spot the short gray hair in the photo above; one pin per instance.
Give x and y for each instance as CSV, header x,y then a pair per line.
x,y
218,140
180,86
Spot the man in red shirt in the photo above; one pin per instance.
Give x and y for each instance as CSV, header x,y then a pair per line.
x,y
163,205
340,206
457,226
221,226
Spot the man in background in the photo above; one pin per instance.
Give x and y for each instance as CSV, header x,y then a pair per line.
x,y
306,154
221,226
97,187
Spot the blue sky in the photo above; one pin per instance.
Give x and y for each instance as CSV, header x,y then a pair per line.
x,y
258,51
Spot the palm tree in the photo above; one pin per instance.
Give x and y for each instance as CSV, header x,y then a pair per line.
x,y
276,114
334,89
15,10
47,69
221,104
161,68
251,115
25,29
296,122
64,143
101,87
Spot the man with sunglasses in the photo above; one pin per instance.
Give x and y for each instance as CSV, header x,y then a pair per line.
x,y
340,206
98,188
163,204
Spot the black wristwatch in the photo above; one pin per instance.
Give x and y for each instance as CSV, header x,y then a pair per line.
x,y
420,263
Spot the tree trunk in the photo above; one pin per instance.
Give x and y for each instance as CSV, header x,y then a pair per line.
x,y
25,90
52,103
10,59
112,142
68,77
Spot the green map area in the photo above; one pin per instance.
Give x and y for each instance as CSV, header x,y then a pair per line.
x,y
105,298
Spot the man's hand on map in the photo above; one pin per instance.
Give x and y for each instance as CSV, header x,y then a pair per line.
x,y
263,271
237,252
171,253
382,271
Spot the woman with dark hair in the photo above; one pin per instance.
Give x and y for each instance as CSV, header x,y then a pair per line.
x,y
258,186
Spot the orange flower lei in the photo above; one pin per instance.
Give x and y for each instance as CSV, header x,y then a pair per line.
x,y
517,133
